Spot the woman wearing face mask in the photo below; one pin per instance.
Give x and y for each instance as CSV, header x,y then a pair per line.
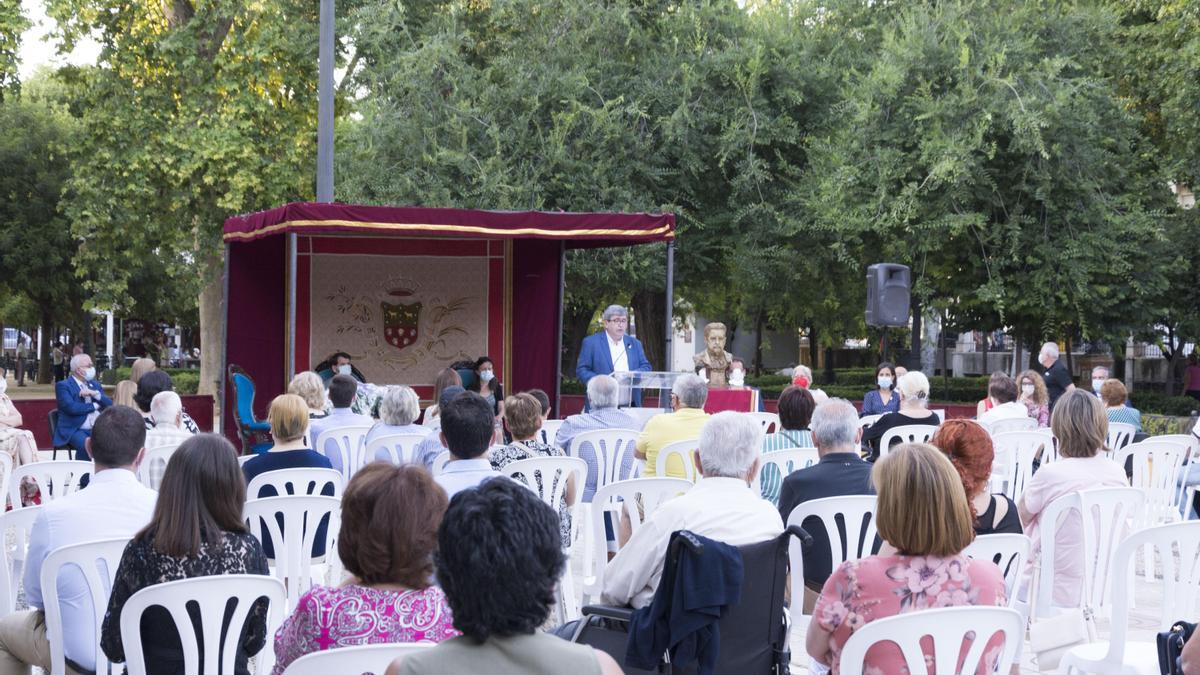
x,y
14,440
913,390
884,399
1032,392
487,386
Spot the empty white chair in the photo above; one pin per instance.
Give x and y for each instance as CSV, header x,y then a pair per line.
x,y
96,562
12,561
636,498
867,420
1180,586
1009,552
606,452
302,481
849,523
549,430
1012,424
1156,467
344,445
782,463
1120,434
54,479
154,463
1015,452
950,629
398,448
440,462
908,433
768,420
353,660
293,539
208,596
682,450
6,468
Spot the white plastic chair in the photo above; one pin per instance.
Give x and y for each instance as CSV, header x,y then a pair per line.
x,y
242,459
208,596
549,430
1009,552
353,660
54,479
768,420
1012,465
156,459
1156,468
345,444
1120,434
1011,424
607,449
96,562
620,498
293,540
842,517
20,522
6,469
440,462
682,450
303,481
908,433
1180,589
400,448
941,413
784,462
867,420
949,629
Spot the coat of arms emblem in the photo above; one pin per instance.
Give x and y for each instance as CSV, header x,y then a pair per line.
x,y
401,321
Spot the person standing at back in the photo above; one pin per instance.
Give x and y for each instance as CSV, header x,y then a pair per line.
x,y
114,505
1058,380
342,390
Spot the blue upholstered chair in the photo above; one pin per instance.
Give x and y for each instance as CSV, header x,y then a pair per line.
x,y
255,434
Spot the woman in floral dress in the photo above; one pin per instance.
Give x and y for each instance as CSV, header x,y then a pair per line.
x,y
922,512
18,443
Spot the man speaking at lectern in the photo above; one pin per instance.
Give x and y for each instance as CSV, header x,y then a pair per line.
x,y
612,351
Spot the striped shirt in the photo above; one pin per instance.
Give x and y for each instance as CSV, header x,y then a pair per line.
x,y
770,479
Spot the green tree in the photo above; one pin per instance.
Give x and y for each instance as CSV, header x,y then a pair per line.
x,y
13,23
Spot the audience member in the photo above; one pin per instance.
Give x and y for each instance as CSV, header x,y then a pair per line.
x,y
429,449
913,389
1081,427
602,413
80,398
1034,396
467,431
882,399
338,363
721,506
196,531
1099,375
543,400
1058,380
127,388
802,376
922,514
114,505
448,377
390,518
523,417
166,409
487,386
687,418
398,411
969,447
58,358
342,390
1002,401
499,560
149,386
1114,395
795,412
310,387
840,472
16,442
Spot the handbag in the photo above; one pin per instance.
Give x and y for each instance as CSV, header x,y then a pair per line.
x,y
1170,646
1052,637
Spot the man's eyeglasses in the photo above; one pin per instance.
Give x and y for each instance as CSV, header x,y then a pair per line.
x,y
619,320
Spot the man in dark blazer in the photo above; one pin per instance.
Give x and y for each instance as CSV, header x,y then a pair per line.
x,y
80,400
612,351
840,471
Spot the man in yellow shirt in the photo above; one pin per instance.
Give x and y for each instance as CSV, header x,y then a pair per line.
x,y
687,403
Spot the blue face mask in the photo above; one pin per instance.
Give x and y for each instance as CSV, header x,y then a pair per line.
x,y
884,382
486,375
89,374
345,369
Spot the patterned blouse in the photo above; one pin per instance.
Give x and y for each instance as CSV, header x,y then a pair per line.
x,y
142,566
1041,413
189,424
328,618
876,587
517,450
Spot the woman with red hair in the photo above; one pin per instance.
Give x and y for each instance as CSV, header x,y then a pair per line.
x,y
969,448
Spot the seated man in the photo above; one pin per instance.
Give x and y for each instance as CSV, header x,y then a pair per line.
x,y
602,413
840,471
687,403
342,390
166,409
467,431
720,507
114,505
80,399
1002,390
429,449
338,364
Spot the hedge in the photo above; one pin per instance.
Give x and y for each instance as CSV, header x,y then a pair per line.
x,y
186,380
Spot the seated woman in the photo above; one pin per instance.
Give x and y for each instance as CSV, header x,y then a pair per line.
x,y
127,388
882,400
1081,427
448,377
1114,395
308,386
523,416
498,559
398,410
796,405
1032,392
969,447
922,514
18,443
914,397
802,377
150,384
197,530
487,386
390,517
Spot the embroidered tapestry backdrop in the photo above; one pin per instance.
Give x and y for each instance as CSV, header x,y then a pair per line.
x,y
402,319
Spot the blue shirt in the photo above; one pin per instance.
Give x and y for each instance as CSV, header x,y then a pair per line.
x,y
873,403
464,474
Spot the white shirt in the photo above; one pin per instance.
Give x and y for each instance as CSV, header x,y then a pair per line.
x,y
464,474
1005,411
113,505
336,419
723,509
91,418
616,350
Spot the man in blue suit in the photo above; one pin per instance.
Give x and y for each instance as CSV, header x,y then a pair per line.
x,y
80,400
612,351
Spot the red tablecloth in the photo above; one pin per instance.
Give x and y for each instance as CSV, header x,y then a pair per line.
x,y
740,400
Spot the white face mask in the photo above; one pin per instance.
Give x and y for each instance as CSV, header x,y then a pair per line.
x,y
884,382
737,377
1027,389
486,375
344,369
1096,384
89,374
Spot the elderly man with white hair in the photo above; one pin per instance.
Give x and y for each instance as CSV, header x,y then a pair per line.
x,y
1058,380
721,507
602,413
166,411
688,395
80,399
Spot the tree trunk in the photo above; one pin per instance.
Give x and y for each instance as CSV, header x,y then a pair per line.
x,y
212,316
813,350
651,309
758,334
1071,359
914,354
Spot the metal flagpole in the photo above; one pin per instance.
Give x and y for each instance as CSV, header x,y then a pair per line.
x,y
670,329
